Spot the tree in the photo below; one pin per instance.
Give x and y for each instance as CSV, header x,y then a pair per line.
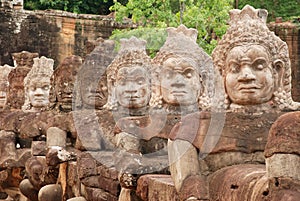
x,y
276,8
209,17
76,6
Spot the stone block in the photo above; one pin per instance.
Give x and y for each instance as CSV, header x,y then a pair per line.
x,y
109,185
73,179
283,165
107,172
56,137
156,187
96,194
284,135
38,148
23,156
86,166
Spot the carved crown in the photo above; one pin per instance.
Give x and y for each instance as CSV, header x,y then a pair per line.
x,y
41,67
248,26
24,56
132,52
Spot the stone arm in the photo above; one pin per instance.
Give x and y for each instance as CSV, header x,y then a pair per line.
x,y
185,171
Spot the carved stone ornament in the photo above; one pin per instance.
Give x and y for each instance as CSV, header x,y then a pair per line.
x,y
37,85
183,72
254,63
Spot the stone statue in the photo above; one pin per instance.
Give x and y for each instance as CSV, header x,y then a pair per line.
x,y
255,66
183,73
23,62
218,158
129,78
37,85
64,80
91,91
93,123
4,84
129,87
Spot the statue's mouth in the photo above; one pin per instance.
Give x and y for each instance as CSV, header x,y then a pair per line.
x,y
178,93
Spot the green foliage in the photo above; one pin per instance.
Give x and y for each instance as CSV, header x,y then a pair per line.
x,y
276,8
75,6
207,16
155,37
145,12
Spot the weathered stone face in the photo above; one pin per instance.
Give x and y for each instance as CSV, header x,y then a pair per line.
x,y
37,84
250,77
180,82
23,62
38,92
133,87
91,85
183,74
64,81
93,89
254,64
129,76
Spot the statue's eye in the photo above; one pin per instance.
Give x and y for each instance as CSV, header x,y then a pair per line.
x,y
168,74
46,87
189,73
140,80
234,68
32,88
259,64
122,82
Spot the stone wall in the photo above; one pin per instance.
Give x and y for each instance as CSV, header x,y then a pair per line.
x,y
290,33
54,34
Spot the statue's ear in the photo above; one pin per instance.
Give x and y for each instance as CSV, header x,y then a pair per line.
x,y
278,66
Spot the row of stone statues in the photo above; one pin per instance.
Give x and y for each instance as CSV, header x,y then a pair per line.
x,y
204,120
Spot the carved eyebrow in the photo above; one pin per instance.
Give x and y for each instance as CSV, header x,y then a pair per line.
x,y
233,61
259,59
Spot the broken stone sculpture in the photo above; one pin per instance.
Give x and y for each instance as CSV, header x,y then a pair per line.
x,y
4,85
93,123
217,158
47,175
23,62
63,82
